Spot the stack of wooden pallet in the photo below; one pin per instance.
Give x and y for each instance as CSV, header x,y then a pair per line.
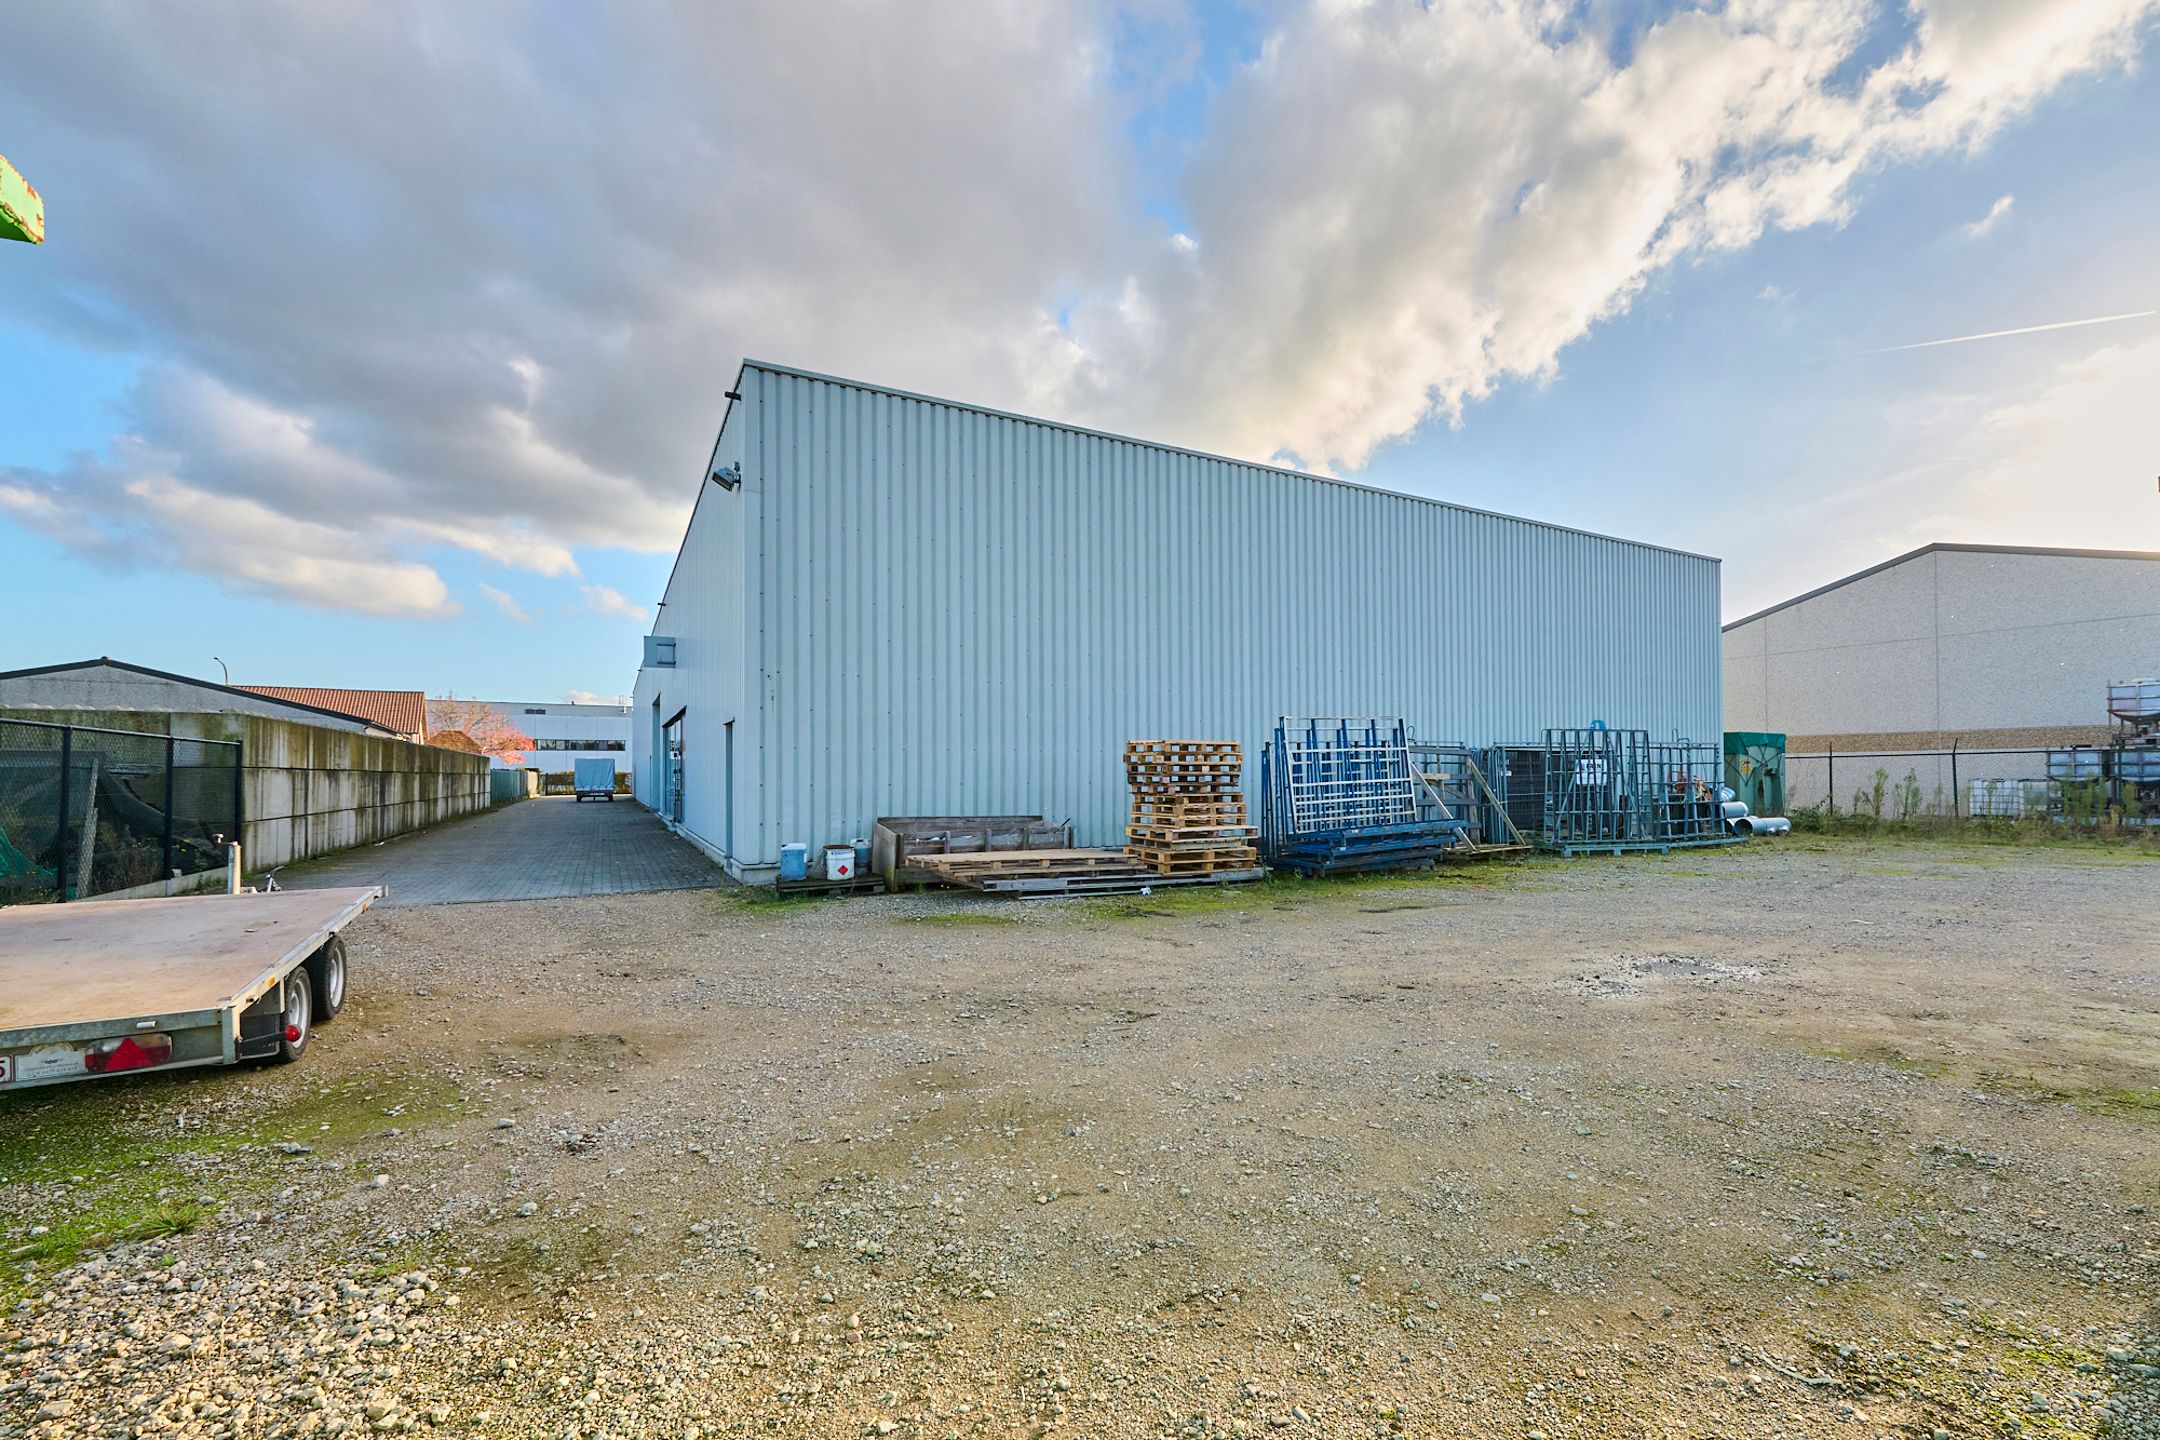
x,y
1188,812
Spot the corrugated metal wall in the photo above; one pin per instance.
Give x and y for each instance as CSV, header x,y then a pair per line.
x,y
956,611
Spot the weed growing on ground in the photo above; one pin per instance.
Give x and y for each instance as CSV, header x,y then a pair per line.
x,y
2107,832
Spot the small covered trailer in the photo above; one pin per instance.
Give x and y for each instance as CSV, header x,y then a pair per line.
x,y
104,987
593,777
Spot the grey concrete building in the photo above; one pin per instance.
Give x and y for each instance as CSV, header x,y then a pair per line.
x,y
108,684
1985,647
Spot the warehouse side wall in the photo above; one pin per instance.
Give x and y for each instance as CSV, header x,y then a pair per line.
x,y
708,608
964,612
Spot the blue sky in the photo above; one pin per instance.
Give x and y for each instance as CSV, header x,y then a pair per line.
x,y
403,376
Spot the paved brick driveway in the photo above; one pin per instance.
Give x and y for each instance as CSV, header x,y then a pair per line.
x,y
538,849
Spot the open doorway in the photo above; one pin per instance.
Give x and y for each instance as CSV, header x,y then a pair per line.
x,y
671,751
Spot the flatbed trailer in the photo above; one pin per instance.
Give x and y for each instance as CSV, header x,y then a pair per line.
x,y
105,987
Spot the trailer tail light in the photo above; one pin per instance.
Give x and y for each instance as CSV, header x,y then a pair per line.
x,y
130,1052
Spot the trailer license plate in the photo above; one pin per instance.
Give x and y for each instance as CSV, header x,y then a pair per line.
x,y
7,1068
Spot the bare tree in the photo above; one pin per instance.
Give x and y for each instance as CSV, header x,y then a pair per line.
x,y
484,729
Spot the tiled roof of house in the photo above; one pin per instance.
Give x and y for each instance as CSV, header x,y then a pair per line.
x,y
403,712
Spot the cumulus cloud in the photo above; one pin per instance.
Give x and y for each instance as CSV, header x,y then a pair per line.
x,y
138,509
1997,213
606,600
590,697
1399,208
473,279
507,603
416,280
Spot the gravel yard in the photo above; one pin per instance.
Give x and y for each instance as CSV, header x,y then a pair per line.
x,y
1826,1138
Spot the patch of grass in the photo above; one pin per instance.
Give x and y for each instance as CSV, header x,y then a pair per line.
x,y
2129,1104
112,1162
965,917
1886,1055
2120,1102
1284,891
2104,837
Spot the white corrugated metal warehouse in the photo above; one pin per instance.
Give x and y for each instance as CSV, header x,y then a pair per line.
x,y
888,604
1983,646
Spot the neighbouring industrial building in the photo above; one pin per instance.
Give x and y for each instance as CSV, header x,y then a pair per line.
x,y
402,713
563,733
2001,653
889,604
304,779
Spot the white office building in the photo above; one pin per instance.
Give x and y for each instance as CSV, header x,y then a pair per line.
x,y
563,734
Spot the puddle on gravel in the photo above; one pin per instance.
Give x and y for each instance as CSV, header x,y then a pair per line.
x,y
1623,975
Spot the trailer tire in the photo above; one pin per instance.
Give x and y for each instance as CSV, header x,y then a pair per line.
x,y
326,973
297,1020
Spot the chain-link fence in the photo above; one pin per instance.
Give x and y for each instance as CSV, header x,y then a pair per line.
x,y
91,812
2084,783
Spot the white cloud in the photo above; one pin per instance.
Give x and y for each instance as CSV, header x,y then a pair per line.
x,y
605,600
1454,193
591,697
1393,210
1997,213
497,267
507,604
139,508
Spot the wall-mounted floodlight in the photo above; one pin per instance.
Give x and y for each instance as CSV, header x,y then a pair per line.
x,y
727,477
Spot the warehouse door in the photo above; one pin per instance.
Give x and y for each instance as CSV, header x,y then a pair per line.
x,y
672,749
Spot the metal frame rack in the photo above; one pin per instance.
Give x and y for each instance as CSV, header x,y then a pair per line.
x,y
1460,788
1341,795
1610,791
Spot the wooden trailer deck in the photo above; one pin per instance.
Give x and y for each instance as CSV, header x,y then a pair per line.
x,y
93,962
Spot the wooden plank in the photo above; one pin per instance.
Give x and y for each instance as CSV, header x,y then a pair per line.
x,y
1008,857
99,960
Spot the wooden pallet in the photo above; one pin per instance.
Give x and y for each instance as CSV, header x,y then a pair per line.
x,y
1174,835
1032,869
1111,883
859,885
970,868
1221,819
1222,787
1180,861
1149,749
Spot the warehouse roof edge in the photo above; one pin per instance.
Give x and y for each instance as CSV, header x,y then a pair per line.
x,y
798,372
1940,547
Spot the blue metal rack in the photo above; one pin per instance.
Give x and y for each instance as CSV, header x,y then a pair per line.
x,y
1339,796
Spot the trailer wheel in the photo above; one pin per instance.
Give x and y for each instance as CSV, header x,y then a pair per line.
x,y
297,1018
326,976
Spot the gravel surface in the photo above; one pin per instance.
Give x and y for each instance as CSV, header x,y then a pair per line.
x,y
1828,1138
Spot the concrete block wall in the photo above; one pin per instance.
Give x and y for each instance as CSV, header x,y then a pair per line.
x,y
308,789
